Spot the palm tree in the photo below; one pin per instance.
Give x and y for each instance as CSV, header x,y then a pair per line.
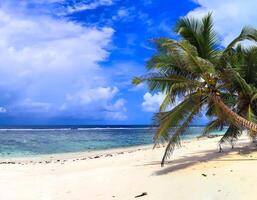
x,y
244,61
195,70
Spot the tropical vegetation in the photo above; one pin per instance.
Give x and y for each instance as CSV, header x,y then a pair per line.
x,y
198,75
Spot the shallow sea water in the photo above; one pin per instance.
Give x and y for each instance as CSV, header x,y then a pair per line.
x,y
24,142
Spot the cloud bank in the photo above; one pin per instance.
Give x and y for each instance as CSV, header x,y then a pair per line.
x,y
51,65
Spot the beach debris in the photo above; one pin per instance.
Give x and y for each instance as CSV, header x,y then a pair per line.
x,y
141,195
204,175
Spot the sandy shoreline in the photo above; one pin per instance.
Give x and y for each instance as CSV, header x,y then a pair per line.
x,y
73,156
196,171
83,155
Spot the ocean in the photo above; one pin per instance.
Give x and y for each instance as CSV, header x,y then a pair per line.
x,y
41,140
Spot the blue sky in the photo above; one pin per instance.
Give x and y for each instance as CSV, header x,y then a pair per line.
x,y
71,62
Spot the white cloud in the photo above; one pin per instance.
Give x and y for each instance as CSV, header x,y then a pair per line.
x,y
118,105
89,6
116,111
45,1
126,14
141,86
3,110
123,13
87,96
230,16
151,102
100,99
46,63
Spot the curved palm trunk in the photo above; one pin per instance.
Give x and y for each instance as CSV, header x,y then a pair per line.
x,y
237,119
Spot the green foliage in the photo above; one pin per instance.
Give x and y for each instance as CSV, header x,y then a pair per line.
x,y
137,81
247,33
177,114
200,34
216,124
231,135
193,70
175,138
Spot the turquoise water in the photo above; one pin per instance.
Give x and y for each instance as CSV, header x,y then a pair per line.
x,y
23,142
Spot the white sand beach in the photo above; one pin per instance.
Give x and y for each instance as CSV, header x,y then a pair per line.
x,y
196,171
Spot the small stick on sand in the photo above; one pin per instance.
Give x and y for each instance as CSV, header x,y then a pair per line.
x,y
140,195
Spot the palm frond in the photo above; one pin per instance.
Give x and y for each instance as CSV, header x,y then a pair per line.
x,y
246,64
168,100
254,97
216,124
200,34
175,138
232,134
188,28
250,115
236,81
170,119
172,84
247,33
209,37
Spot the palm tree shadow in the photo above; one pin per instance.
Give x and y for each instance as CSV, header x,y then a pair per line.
x,y
205,156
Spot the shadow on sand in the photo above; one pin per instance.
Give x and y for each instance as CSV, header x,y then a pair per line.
x,y
205,156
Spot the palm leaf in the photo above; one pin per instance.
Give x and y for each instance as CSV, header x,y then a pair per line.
x,y
170,119
232,133
175,138
216,124
247,33
200,34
